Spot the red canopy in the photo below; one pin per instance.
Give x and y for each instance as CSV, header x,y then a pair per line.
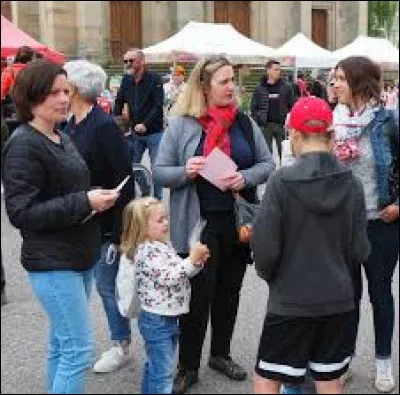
x,y
12,38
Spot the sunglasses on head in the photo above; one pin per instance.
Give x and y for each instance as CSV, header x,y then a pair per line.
x,y
213,59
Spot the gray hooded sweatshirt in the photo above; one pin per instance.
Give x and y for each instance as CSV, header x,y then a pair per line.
x,y
309,236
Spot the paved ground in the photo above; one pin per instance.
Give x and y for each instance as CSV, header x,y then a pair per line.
x,y
24,333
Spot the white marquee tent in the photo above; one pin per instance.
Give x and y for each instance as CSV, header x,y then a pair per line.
x,y
306,53
379,50
196,40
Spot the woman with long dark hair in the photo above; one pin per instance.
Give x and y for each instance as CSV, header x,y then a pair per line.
x,y
367,141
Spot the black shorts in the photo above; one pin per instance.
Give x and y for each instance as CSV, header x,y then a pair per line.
x,y
291,345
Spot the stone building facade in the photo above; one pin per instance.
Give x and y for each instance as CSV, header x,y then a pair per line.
x,y
102,30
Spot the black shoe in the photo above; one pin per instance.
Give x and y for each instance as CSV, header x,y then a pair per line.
x,y
185,380
228,367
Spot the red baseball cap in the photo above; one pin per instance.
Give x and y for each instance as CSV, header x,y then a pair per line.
x,y
310,115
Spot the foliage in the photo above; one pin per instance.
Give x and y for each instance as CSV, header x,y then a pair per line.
x,y
381,18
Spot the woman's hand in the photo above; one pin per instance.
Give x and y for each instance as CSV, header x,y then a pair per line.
x,y
194,166
199,254
102,199
389,213
233,180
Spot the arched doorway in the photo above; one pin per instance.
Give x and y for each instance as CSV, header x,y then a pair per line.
x,y
319,26
125,27
237,13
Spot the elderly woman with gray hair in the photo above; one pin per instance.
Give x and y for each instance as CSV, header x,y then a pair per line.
x,y
100,143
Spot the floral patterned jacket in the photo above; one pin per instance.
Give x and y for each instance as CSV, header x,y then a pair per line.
x,y
163,279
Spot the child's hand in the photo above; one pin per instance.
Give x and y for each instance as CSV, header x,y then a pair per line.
x,y
199,254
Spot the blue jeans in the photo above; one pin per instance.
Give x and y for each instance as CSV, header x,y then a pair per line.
x,y
160,335
136,147
105,275
64,296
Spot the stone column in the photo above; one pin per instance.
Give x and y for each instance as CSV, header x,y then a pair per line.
x,y
350,14
363,17
208,7
282,21
259,22
25,15
92,24
189,11
305,17
155,22
58,25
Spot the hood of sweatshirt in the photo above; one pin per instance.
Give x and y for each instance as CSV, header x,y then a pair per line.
x,y
319,181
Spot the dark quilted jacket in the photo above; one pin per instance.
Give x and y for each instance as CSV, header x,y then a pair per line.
x,y
45,194
260,102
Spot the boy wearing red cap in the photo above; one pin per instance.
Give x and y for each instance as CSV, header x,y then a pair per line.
x,y
308,238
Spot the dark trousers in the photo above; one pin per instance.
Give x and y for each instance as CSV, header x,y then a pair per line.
x,y
215,292
274,130
3,277
379,270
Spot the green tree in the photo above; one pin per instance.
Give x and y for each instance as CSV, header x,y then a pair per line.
x,y
381,18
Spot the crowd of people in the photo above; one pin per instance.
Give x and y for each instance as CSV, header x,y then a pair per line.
x,y
61,167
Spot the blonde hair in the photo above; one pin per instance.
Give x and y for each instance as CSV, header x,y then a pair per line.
x,y
135,222
192,101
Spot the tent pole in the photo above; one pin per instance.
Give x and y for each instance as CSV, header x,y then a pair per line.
x,y
240,78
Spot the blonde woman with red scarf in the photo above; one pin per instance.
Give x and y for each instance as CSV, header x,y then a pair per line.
x,y
208,117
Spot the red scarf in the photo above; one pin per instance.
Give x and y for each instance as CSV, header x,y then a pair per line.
x,y
216,123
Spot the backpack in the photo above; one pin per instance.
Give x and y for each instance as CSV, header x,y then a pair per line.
x,y
126,288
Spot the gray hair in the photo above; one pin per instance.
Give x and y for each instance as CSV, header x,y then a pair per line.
x,y
89,78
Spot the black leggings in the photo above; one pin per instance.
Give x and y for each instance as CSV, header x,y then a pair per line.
x,y
379,270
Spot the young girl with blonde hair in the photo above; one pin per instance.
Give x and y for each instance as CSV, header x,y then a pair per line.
x,y
162,284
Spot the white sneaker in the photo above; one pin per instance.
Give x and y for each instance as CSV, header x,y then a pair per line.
x,y
112,360
384,381
347,376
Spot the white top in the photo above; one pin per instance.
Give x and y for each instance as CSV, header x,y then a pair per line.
x,y
163,279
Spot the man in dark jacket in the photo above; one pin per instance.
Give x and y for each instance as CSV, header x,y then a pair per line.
x,y
318,87
309,240
142,90
272,100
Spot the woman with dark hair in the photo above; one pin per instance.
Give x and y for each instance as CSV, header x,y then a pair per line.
x,y
367,141
48,198
208,118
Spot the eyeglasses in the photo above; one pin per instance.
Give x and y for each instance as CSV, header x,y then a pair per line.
x,y
129,61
